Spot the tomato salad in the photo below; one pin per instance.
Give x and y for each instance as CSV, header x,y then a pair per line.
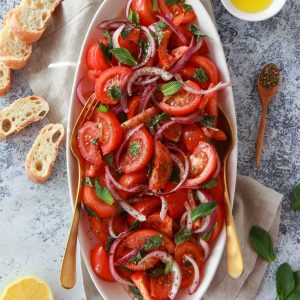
x,y
152,186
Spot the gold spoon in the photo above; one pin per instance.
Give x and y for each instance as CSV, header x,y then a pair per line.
x,y
268,82
235,263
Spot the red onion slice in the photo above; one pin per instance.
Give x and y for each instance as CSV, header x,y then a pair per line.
x,y
110,229
219,86
84,86
163,128
204,196
146,95
128,135
124,259
218,169
128,8
176,272
206,248
196,280
132,211
154,71
189,222
150,39
183,220
116,109
193,48
173,27
164,208
115,37
112,251
147,81
111,24
189,119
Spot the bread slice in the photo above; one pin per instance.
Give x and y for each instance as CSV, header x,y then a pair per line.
x,y
4,79
43,153
21,113
28,21
13,52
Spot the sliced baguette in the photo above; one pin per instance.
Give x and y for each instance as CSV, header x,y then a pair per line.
x,y
22,113
4,79
13,52
43,153
29,19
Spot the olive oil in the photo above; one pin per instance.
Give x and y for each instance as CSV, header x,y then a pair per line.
x,y
251,6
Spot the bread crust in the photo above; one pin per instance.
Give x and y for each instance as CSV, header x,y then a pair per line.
x,y
4,89
37,169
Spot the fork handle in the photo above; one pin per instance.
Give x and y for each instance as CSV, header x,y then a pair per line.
x,y
68,268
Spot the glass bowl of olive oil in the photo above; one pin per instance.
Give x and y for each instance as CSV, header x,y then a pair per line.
x,y
253,10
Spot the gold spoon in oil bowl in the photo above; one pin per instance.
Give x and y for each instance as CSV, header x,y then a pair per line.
x,y
268,82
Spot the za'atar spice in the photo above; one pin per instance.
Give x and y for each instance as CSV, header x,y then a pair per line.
x,y
269,76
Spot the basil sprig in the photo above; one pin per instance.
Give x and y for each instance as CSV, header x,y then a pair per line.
x,y
171,88
195,30
262,243
157,119
203,210
182,235
296,200
208,121
153,242
133,17
124,56
126,32
136,292
103,193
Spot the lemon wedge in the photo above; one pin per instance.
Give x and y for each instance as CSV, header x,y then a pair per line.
x,y
27,288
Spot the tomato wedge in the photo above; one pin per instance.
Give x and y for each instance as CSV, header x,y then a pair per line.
x,y
138,153
162,168
94,57
91,170
108,78
145,10
133,106
191,136
173,132
160,286
100,262
203,163
110,130
141,280
88,142
182,103
187,270
155,222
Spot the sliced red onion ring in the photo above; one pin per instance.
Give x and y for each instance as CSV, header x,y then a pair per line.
x,y
84,86
147,81
193,48
110,229
204,196
126,138
154,71
116,109
111,24
218,169
189,119
196,280
112,251
124,259
150,39
183,220
128,8
162,128
120,186
206,248
146,95
115,37
176,272
189,222
219,86
173,27
191,199
164,208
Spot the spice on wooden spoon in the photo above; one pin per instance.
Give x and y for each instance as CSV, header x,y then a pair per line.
x,y
268,82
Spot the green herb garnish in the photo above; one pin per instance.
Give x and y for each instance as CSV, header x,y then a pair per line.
x,y
109,159
209,184
296,200
89,211
103,108
171,88
124,56
87,181
126,32
155,5
154,272
133,17
182,235
172,2
136,292
109,242
157,119
201,75
195,30
169,266
134,148
135,259
160,25
208,121
106,49
95,141
262,243
115,92
203,210
187,7
134,226
153,242
103,193
175,176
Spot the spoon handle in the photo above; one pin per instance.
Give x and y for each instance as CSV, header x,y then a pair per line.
x,y
261,134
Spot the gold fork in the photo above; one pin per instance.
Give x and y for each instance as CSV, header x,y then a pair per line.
x,y
68,268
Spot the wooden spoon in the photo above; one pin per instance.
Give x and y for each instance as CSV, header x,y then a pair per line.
x,y
268,83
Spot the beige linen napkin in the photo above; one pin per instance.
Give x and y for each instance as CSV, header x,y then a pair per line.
x,y
51,71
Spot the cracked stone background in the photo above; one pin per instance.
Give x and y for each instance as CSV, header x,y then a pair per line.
x,y
34,219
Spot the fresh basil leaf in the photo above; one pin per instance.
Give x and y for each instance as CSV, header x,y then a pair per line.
x,y
195,30
187,7
171,88
103,193
208,121
95,141
125,32
171,2
124,56
153,242
295,295
169,266
154,272
160,25
182,235
285,281
89,211
175,176
201,75
109,159
134,148
155,5
115,92
134,226
133,17
125,268
209,184
136,292
109,39
262,243
103,108
157,119
135,259
109,243
87,181
145,46
203,210
296,200
106,52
